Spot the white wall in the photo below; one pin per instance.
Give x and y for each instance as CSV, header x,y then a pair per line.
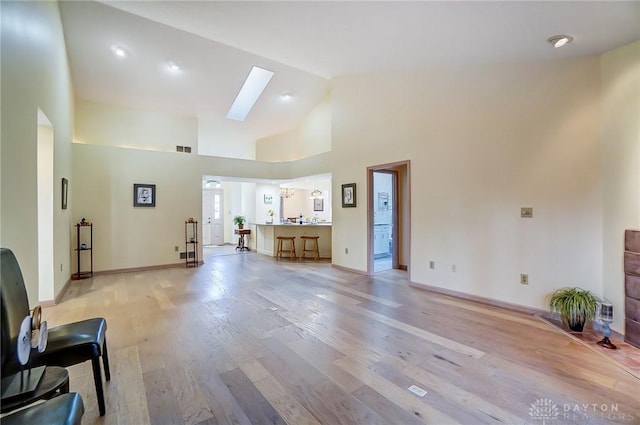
x,y
35,74
383,184
620,132
302,203
483,141
262,208
248,201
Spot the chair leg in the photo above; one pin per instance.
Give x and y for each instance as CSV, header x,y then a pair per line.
x,y
97,377
105,361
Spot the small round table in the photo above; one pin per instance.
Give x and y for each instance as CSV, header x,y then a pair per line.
x,y
55,379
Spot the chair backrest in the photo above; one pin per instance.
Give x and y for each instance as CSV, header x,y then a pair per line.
x,y
15,307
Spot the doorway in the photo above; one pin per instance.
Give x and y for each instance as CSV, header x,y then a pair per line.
x,y
212,217
389,217
384,183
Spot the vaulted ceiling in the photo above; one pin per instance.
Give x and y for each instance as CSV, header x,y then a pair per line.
x,y
307,43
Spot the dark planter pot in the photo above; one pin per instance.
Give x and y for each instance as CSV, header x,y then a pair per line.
x,y
576,327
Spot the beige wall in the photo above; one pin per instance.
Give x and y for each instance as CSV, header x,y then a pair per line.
x,y
124,236
311,137
214,142
128,237
620,131
35,75
483,141
110,125
559,136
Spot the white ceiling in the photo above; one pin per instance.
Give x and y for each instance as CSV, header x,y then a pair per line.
x,y
306,44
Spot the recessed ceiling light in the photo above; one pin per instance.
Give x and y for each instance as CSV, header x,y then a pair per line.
x,y
559,40
251,90
119,52
286,97
173,66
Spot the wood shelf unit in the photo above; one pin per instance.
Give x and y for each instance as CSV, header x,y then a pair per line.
x,y
191,243
83,247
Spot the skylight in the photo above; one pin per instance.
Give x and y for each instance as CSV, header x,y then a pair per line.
x,y
249,93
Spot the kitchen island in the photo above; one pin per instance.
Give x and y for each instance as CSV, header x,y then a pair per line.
x,y
266,234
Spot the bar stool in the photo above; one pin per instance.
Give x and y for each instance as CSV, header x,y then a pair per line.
x,y
314,246
291,250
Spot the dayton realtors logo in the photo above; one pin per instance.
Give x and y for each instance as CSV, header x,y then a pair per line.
x,y
545,410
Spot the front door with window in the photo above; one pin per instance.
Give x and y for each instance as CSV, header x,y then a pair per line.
x,y
212,217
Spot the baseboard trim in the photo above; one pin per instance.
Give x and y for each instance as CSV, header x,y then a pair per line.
x,y
482,300
403,267
145,268
61,293
348,269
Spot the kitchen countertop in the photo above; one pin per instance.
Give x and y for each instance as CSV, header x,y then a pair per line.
x,y
326,223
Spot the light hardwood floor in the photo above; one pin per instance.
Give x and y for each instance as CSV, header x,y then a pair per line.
x,y
245,339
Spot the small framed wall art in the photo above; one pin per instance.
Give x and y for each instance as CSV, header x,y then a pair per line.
x,y
65,193
349,195
144,195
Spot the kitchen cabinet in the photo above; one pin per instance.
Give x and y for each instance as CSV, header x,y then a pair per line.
x,y
381,236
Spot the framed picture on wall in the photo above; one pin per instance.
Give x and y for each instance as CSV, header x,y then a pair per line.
x,y
268,199
318,204
348,195
144,195
65,193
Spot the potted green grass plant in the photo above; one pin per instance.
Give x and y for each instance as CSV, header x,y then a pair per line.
x,y
239,221
576,306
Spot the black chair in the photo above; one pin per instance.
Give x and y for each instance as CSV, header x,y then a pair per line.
x,y
67,345
65,409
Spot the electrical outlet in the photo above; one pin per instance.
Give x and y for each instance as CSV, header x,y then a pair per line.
x,y
524,279
60,266
453,268
526,212
432,264
346,250
176,249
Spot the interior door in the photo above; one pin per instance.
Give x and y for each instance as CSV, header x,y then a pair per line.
x,y
212,217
